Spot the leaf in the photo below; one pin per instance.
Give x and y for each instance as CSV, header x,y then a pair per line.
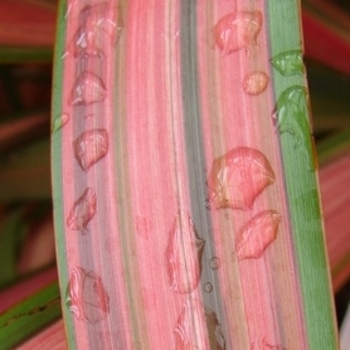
x,y
21,321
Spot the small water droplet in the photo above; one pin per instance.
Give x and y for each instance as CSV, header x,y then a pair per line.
x,y
238,177
83,211
86,296
184,255
197,327
238,30
208,287
90,147
255,83
88,89
257,234
214,263
59,122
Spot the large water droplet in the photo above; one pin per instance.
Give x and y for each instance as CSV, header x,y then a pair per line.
x,y
238,177
255,83
98,28
90,147
198,328
86,296
88,89
184,255
257,234
83,211
238,30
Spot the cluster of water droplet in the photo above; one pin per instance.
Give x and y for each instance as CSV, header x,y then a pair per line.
x,y
97,31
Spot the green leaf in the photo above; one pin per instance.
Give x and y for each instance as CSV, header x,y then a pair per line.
x,y
29,316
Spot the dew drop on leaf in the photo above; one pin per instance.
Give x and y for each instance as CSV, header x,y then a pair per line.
x,y
184,254
238,177
208,287
255,83
214,263
86,296
98,27
289,62
197,327
60,121
257,234
292,107
90,147
83,211
88,89
238,30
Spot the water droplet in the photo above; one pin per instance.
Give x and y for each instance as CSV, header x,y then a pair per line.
x,y
262,344
198,328
98,24
238,177
184,255
59,122
83,211
90,147
208,287
289,62
257,234
292,111
255,83
236,31
86,296
214,263
88,89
